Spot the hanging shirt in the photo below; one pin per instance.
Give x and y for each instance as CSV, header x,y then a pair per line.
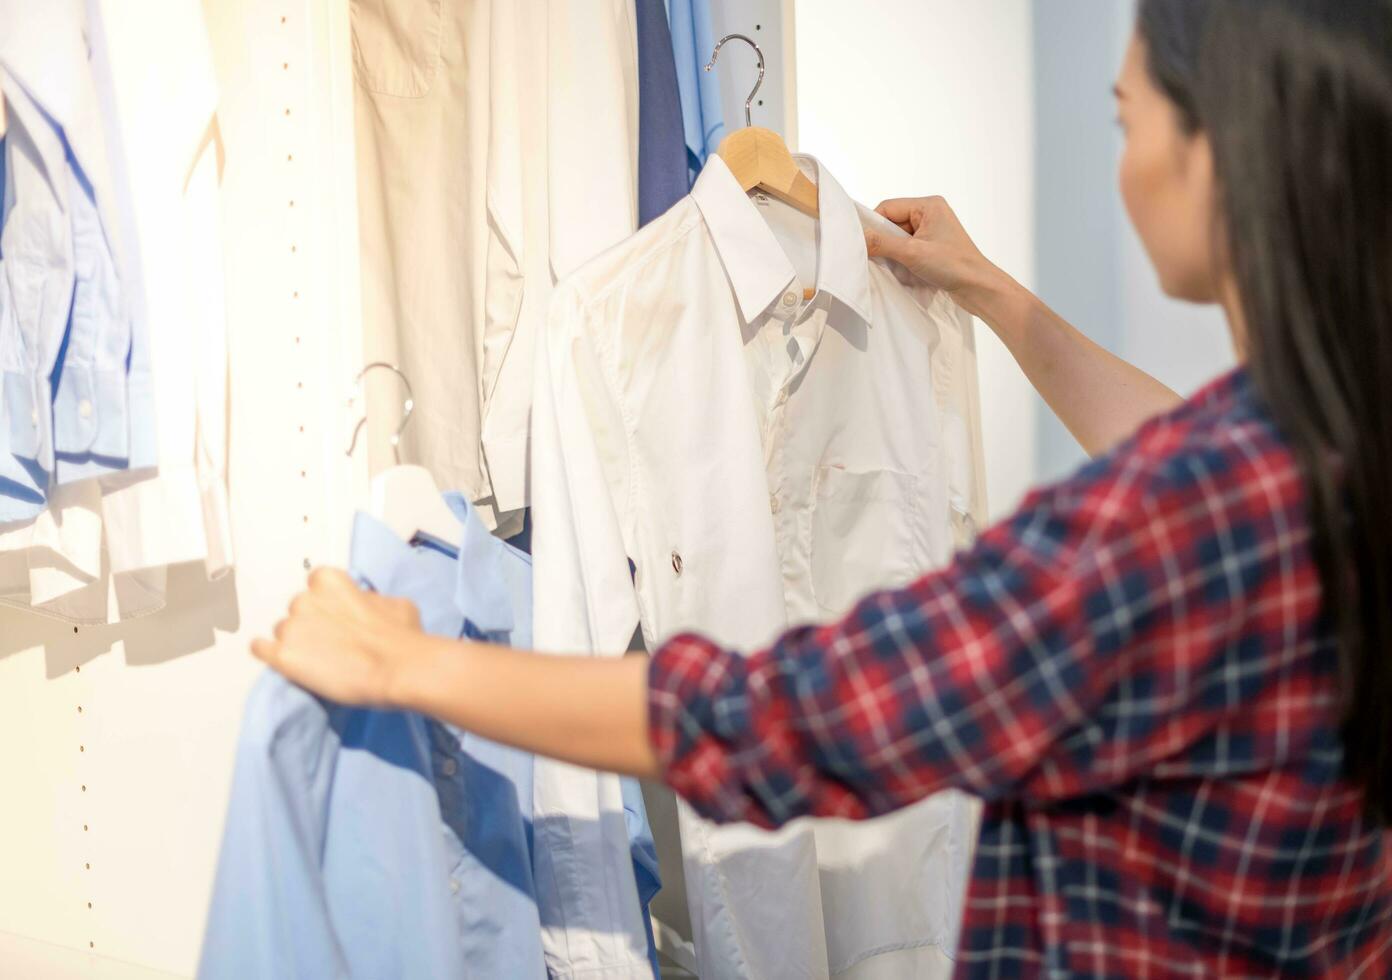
x,y
497,149
100,549
32,307
373,843
76,373
166,96
693,42
1136,672
695,414
662,169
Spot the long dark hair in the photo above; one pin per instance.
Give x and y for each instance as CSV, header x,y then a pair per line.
x,y
1295,97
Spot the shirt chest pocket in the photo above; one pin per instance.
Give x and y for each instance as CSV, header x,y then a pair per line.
x,y
396,45
868,532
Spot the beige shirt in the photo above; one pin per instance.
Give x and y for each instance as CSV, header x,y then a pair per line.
x,y
763,460
497,149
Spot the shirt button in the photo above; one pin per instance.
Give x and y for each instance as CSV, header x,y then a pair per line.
x,y
775,504
450,767
34,417
454,885
790,300
84,408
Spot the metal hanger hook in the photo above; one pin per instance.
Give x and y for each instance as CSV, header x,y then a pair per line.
x,y
407,408
749,102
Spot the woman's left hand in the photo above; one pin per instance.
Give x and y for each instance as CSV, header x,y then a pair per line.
x,y
342,642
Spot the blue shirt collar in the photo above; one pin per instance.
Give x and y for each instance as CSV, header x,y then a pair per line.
x,y
450,589
481,590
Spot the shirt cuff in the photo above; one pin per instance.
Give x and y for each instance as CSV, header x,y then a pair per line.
x,y
698,724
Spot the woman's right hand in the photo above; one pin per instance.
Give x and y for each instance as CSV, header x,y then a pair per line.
x,y
1100,397
940,252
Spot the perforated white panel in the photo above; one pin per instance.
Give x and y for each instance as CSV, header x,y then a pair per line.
x,y
769,23
116,744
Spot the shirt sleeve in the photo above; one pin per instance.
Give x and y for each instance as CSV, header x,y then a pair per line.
x,y
1091,638
36,241
586,890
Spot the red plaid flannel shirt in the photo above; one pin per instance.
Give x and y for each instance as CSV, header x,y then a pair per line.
x,y
1133,673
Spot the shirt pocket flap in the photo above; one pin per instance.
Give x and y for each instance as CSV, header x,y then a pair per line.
x,y
396,45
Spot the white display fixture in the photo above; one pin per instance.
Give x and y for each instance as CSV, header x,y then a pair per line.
x,y
770,24
116,743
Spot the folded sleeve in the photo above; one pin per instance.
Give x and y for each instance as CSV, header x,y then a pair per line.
x,y
1089,640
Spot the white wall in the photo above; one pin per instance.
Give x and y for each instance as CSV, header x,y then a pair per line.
x,y
917,97
1091,266
1005,108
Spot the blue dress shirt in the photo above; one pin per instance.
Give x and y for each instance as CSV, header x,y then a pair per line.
x,y
75,382
693,41
663,177
35,264
382,844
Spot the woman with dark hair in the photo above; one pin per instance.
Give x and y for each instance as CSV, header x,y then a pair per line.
x,y
1169,677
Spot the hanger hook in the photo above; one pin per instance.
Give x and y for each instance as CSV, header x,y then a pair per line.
x,y
407,408
749,102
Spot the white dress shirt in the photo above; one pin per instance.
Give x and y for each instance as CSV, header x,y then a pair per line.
x,y
115,537
763,460
497,149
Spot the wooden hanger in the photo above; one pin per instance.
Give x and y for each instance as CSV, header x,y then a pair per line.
x,y
760,159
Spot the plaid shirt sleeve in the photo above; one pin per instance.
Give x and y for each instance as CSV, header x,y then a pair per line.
x,y
1094,636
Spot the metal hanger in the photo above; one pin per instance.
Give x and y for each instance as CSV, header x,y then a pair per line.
x,y
403,497
758,157
749,102
407,409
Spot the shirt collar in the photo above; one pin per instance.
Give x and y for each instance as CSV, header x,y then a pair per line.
x,y
754,261
382,562
481,590
448,588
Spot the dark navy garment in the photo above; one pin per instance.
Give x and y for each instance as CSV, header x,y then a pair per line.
x,y
663,175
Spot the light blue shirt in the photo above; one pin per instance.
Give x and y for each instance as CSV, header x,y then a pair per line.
x,y
75,383
693,40
381,844
35,297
